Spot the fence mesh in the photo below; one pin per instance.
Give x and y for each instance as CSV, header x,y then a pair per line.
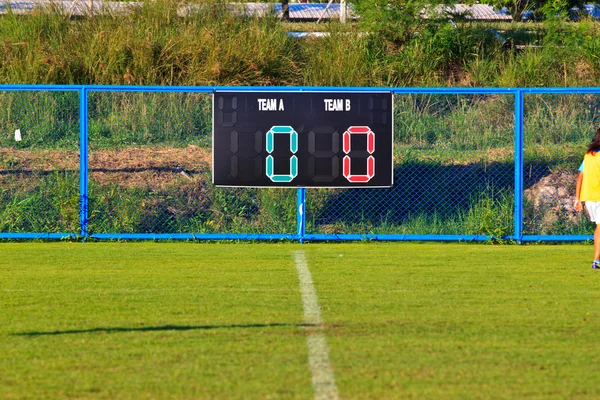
x,y
453,173
557,130
39,162
150,168
150,171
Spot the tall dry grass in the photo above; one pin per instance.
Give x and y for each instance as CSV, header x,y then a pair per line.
x,y
155,46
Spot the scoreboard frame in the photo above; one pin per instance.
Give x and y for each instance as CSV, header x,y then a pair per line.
x,y
344,142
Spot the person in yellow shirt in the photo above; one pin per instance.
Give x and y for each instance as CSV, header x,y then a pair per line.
x,y
587,191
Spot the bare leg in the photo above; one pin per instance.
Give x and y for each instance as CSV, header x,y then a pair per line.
x,y
597,243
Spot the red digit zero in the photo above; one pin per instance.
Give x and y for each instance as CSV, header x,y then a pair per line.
x,y
359,130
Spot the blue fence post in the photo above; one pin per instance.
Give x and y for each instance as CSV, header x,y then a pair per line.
x,y
83,162
518,166
301,214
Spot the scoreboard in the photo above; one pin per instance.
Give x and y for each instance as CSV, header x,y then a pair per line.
x,y
302,139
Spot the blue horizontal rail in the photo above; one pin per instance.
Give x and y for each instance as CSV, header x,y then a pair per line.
x,y
209,89
394,237
396,90
101,88
193,236
556,238
40,236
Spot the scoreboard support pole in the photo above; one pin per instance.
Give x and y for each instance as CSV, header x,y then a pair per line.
x,y
301,214
518,212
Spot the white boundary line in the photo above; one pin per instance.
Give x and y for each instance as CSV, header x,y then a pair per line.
x,y
318,353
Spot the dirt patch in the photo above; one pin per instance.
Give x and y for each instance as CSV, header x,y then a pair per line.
x,y
147,168
190,158
457,75
38,160
585,72
150,168
552,199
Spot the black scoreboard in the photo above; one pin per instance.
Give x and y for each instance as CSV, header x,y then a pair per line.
x,y
302,139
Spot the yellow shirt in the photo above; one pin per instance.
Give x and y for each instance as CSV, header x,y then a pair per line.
x,y
590,187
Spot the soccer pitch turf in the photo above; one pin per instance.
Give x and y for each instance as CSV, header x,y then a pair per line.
x,y
225,321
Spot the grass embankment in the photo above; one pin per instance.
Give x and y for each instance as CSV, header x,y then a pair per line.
x,y
150,161
144,320
154,46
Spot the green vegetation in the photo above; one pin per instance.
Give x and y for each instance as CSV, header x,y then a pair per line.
x,y
156,47
150,119
44,202
185,207
160,320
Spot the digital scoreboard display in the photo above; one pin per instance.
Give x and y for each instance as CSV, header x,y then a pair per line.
x,y
302,139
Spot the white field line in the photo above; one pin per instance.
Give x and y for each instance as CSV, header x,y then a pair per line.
x,y
318,353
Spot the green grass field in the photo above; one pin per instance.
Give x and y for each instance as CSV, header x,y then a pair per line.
x,y
222,321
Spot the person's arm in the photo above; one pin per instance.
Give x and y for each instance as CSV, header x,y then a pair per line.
x,y
578,206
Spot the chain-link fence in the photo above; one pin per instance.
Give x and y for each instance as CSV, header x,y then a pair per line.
x,y
150,171
453,173
136,162
557,130
39,162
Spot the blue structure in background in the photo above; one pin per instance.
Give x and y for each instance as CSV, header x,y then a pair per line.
x,y
17,5
297,11
589,10
593,10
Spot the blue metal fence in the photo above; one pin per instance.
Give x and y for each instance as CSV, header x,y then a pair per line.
x,y
470,165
